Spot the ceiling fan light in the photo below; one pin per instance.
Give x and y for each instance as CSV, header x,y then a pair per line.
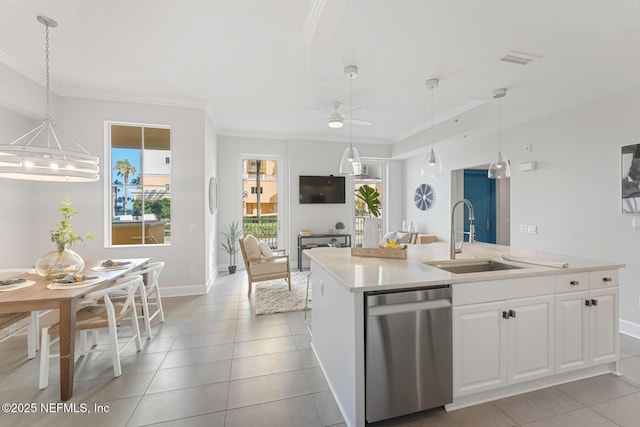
x,y
336,122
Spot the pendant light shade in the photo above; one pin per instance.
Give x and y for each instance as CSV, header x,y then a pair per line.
x,y
431,164
500,167
44,154
350,164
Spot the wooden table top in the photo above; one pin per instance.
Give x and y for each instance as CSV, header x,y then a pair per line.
x,y
39,296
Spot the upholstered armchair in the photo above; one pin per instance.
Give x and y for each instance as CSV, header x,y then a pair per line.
x,y
262,263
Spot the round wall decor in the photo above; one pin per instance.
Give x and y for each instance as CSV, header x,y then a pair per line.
x,y
423,197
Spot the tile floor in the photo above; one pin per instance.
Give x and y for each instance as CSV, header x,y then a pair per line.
x,y
214,363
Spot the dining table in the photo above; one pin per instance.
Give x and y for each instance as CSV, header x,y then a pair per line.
x,y
39,297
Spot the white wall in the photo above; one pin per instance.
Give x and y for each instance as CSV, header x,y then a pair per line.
x,y
573,197
16,211
83,120
300,157
210,224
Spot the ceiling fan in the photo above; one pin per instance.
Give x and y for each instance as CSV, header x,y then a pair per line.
x,y
337,119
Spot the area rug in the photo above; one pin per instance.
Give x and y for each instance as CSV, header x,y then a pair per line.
x,y
273,296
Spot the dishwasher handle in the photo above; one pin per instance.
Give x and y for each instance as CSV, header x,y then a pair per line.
x,y
382,310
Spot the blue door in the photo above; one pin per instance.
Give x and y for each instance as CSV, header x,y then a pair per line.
x,y
481,192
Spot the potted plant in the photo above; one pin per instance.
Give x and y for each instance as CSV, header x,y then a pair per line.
x,y
371,199
62,261
230,245
339,227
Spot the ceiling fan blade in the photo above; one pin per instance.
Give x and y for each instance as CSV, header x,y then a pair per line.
x,y
358,122
350,111
323,113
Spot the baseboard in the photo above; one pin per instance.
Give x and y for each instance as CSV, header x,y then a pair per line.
x,y
181,291
630,328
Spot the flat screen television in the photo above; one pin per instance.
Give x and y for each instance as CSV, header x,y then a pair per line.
x,y
321,189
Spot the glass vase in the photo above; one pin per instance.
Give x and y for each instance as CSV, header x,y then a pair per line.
x,y
57,264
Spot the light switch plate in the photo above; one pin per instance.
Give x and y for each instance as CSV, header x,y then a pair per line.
x,y
528,229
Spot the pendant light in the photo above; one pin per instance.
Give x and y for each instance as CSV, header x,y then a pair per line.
x,y
350,164
500,167
39,154
431,164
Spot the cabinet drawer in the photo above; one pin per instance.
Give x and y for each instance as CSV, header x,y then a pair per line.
x,y
603,279
572,282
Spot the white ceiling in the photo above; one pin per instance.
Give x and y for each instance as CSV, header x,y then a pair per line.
x,y
266,65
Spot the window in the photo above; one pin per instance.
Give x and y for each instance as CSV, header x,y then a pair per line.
x,y
254,190
139,185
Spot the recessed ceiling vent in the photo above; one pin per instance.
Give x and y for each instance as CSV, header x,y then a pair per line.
x,y
520,58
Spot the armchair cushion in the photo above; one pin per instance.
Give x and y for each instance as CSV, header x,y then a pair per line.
x,y
265,249
274,266
252,248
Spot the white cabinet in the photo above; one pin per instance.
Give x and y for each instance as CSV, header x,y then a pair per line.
x,y
587,326
502,343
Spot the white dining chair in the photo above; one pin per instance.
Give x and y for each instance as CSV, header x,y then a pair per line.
x,y
150,295
98,311
8,320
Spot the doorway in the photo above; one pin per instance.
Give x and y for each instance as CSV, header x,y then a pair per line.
x,y
261,200
481,192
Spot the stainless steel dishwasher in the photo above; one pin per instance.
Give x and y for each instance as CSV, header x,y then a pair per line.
x,y
408,359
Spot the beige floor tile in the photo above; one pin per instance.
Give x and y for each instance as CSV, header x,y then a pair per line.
x,y
208,420
261,321
294,412
302,341
584,417
327,408
209,327
190,376
537,405
597,389
203,340
308,358
266,364
624,411
256,348
262,333
316,380
266,388
196,355
104,389
159,407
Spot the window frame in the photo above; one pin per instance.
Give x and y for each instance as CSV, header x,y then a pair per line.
x,y
108,180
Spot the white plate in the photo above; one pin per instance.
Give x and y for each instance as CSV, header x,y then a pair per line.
x,y
54,285
17,286
117,267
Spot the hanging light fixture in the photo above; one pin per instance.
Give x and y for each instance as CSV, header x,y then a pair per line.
x,y
350,164
39,154
500,167
431,164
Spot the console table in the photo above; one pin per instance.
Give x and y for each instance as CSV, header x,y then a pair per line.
x,y
323,241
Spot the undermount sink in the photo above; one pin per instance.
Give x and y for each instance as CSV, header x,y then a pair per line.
x,y
472,266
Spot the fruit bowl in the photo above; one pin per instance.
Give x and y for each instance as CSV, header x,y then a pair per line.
x,y
306,233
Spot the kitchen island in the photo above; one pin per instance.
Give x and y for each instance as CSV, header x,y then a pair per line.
x,y
514,330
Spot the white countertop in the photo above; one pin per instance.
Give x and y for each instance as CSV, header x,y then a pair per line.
x,y
362,274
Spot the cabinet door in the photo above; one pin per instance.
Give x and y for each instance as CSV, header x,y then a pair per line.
x,y
604,325
530,338
572,331
479,347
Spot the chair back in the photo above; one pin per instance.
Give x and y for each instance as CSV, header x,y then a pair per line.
x,y
128,284
152,270
244,254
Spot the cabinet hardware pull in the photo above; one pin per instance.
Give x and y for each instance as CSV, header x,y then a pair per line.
x,y
607,279
594,302
587,303
512,313
505,315
574,283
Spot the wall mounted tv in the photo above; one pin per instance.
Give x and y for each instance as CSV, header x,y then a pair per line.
x,y
321,189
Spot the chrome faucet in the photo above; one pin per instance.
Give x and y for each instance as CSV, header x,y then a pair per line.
x,y
472,229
